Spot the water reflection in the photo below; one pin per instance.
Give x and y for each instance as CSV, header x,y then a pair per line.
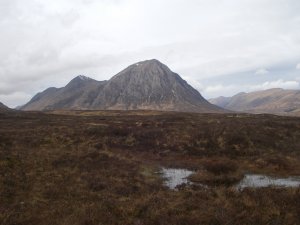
x,y
254,180
175,177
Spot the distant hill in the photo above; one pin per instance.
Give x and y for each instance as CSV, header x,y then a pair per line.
x,y
145,85
274,101
18,107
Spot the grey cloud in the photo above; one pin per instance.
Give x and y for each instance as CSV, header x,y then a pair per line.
x,y
230,90
43,55
262,71
46,43
69,18
15,98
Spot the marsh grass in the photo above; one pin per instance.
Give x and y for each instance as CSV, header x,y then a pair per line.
x,y
85,167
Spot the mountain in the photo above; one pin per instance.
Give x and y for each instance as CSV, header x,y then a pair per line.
x,y
77,94
3,107
274,101
147,85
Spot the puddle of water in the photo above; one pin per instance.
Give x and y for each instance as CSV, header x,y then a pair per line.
x,y
175,177
254,180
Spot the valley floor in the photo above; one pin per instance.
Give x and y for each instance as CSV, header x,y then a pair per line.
x,y
102,167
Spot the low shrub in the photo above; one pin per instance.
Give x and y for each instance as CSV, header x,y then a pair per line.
x,y
220,166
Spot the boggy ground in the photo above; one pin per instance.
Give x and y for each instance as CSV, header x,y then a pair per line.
x,y
85,167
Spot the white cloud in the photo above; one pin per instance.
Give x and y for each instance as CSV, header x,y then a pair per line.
x,y
261,72
298,66
276,84
230,90
221,90
218,88
15,98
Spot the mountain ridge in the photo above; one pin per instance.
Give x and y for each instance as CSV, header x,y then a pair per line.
x,y
144,85
274,101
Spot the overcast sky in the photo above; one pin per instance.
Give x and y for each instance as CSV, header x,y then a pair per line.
x,y
221,47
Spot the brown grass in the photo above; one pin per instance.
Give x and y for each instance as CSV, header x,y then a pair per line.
x,y
218,172
101,168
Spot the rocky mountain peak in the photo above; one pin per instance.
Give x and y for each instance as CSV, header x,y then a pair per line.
x,y
79,81
152,63
148,68
143,85
80,78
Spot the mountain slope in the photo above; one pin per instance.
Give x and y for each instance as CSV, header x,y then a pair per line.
x,y
150,85
275,101
144,85
3,107
77,94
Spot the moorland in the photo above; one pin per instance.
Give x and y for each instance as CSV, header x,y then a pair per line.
x,y
102,167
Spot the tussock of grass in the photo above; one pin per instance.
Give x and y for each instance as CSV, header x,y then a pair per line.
x,y
218,172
